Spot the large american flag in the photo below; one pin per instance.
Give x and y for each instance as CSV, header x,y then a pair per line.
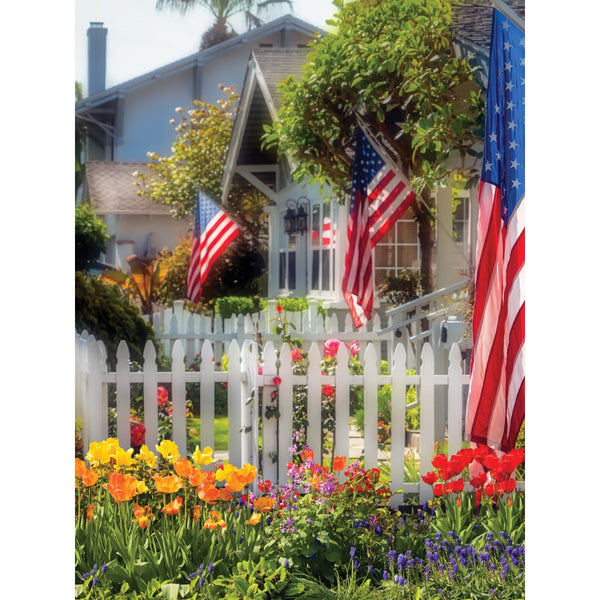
x,y
380,195
213,232
496,403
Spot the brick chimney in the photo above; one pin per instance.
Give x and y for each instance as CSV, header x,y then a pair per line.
x,y
96,57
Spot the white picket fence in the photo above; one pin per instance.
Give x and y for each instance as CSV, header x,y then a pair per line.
x,y
246,386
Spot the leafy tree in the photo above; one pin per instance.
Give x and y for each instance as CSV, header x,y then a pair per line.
x,y
392,63
196,163
101,310
222,11
90,237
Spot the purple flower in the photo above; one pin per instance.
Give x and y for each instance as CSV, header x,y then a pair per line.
x,y
352,552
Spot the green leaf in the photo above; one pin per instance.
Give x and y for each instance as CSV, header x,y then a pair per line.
x,y
170,591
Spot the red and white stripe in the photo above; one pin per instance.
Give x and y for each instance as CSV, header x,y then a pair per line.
x,y
217,236
496,403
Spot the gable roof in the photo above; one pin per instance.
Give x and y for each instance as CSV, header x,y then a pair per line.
x,y
289,22
260,102
109,187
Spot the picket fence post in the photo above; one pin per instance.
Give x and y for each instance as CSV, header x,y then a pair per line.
x,y
427,419
235,404
269,423
455,406
123,396
313,402
286,411
207,396
398,421
342,403
178,396
150,396
370,407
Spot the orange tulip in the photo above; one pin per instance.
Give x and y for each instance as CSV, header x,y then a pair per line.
x,y
208,492
168,485
264,504
198,476
89,478
235,482
183,467
142,515
215,521
80,467
339,462
173,507
121,488
89,513
254,519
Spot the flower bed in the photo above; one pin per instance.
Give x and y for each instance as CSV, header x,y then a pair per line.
x,y
173,527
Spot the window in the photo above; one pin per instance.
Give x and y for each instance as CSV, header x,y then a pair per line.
x,y
322,246
398,249
287,259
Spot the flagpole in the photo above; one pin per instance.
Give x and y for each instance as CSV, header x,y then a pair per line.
x,y
509,13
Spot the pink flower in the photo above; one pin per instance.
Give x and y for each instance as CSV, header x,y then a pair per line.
x,y
296,354
260,369
330,347
354,348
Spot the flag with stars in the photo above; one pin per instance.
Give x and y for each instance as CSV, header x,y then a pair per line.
x,y
496,402
380,195
213,232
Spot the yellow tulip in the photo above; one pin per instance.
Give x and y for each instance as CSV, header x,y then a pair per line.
x,y
254,519
204,457
168,450
147,457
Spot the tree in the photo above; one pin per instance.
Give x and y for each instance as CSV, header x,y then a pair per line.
x,y
392,63
222,11
196,163
90,238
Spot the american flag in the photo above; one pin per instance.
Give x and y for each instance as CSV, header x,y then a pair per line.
x,y
213,232
379,197
496,403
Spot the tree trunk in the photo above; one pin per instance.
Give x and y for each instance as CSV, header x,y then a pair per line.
x,y
426,239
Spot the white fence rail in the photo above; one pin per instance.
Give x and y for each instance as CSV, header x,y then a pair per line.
x,y
248,390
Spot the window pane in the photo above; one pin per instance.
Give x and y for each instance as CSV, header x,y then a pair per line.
x,y
316,225
325,276
315,270
292,269
408,256
282,270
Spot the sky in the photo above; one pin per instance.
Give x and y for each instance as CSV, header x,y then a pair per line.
x,y
141,38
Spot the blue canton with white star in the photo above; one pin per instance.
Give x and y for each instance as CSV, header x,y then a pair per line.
x,y
206,209
504,146
367,163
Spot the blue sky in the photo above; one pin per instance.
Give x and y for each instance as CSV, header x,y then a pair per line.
x,y
140,38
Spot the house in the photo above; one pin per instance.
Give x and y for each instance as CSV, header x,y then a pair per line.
x,y
310,262
122,124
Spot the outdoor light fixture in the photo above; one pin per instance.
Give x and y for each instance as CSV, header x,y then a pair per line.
x,y
296,217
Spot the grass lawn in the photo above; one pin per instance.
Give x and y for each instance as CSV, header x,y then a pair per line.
x,y
221,433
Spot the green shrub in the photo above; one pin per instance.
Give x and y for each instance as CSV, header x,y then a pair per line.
x,y
90,237
104,313
293,304
239,305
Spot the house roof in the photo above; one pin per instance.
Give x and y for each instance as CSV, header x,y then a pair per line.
x,y
110,189
287,21
259,104
472,19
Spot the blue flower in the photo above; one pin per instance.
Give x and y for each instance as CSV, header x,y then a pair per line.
x,y
352,552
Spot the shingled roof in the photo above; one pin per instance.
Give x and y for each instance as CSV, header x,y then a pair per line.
x,y
472,19
110,189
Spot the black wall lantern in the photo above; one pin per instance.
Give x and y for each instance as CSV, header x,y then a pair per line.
x,y
296,217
